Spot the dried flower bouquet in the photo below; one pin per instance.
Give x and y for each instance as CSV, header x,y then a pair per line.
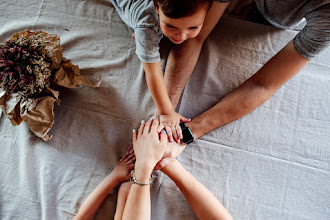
x,y
31,66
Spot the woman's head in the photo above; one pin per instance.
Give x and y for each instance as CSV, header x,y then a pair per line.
x,y
183,19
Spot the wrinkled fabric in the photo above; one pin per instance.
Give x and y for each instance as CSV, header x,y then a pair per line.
x,y
270,164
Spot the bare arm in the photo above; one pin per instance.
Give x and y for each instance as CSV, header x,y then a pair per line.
x,y
138,205
201,200
183,58
149,149
119,174
96,198
156,85
252,93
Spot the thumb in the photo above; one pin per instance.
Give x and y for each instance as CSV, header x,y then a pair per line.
x,y
183,119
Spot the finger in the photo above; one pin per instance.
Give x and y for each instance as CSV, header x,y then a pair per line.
x,y
179,131
125,156
130,147
141,128
175,135
154,126
129,157
134,135
132,160
147,127
131,166
169,133
160,128
183,119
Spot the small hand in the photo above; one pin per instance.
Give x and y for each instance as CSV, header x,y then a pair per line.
x,y
124,166
171,124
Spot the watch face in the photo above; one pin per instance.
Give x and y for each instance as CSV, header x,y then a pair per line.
x,y
188,137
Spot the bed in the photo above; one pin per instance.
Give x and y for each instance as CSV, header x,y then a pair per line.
x,y
271,164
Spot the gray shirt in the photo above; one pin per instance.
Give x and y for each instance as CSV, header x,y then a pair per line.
x,y
310,17
141,16
314,36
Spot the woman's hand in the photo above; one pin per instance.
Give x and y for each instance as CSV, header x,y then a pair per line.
x,y
149,146
171,124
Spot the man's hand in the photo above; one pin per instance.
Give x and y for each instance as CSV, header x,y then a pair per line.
x,y
172,151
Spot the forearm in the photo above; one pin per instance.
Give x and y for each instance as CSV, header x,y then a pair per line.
x,y
243,100
156,85
252,93
96,198
204,204
138,205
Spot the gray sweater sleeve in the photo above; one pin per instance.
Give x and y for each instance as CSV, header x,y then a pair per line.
x,y
315,36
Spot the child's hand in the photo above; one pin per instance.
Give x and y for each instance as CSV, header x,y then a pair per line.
x,y
124,166
171,124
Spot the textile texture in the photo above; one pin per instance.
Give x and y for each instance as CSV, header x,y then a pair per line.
x,y
271,164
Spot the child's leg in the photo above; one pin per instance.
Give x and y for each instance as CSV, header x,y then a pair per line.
x,y
122,198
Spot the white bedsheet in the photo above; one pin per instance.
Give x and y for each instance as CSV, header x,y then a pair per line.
x,y
271,164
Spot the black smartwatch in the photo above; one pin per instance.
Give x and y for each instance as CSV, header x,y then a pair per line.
x,y
188,136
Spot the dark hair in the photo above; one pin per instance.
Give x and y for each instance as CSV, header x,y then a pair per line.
x,y
181,8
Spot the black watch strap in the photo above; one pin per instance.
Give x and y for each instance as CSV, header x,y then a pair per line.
x,y
188,136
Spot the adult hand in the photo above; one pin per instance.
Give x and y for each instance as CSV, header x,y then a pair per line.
x,y
149,146
172,151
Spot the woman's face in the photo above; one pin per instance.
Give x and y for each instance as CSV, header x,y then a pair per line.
x,y
180,29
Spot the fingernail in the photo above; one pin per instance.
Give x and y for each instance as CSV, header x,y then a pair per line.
x,y
142,121
133,130
156,116
164,131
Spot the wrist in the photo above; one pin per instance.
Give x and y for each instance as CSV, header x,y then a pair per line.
x,y
143,172
171,165
194,128
166,111
113,178
165,108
